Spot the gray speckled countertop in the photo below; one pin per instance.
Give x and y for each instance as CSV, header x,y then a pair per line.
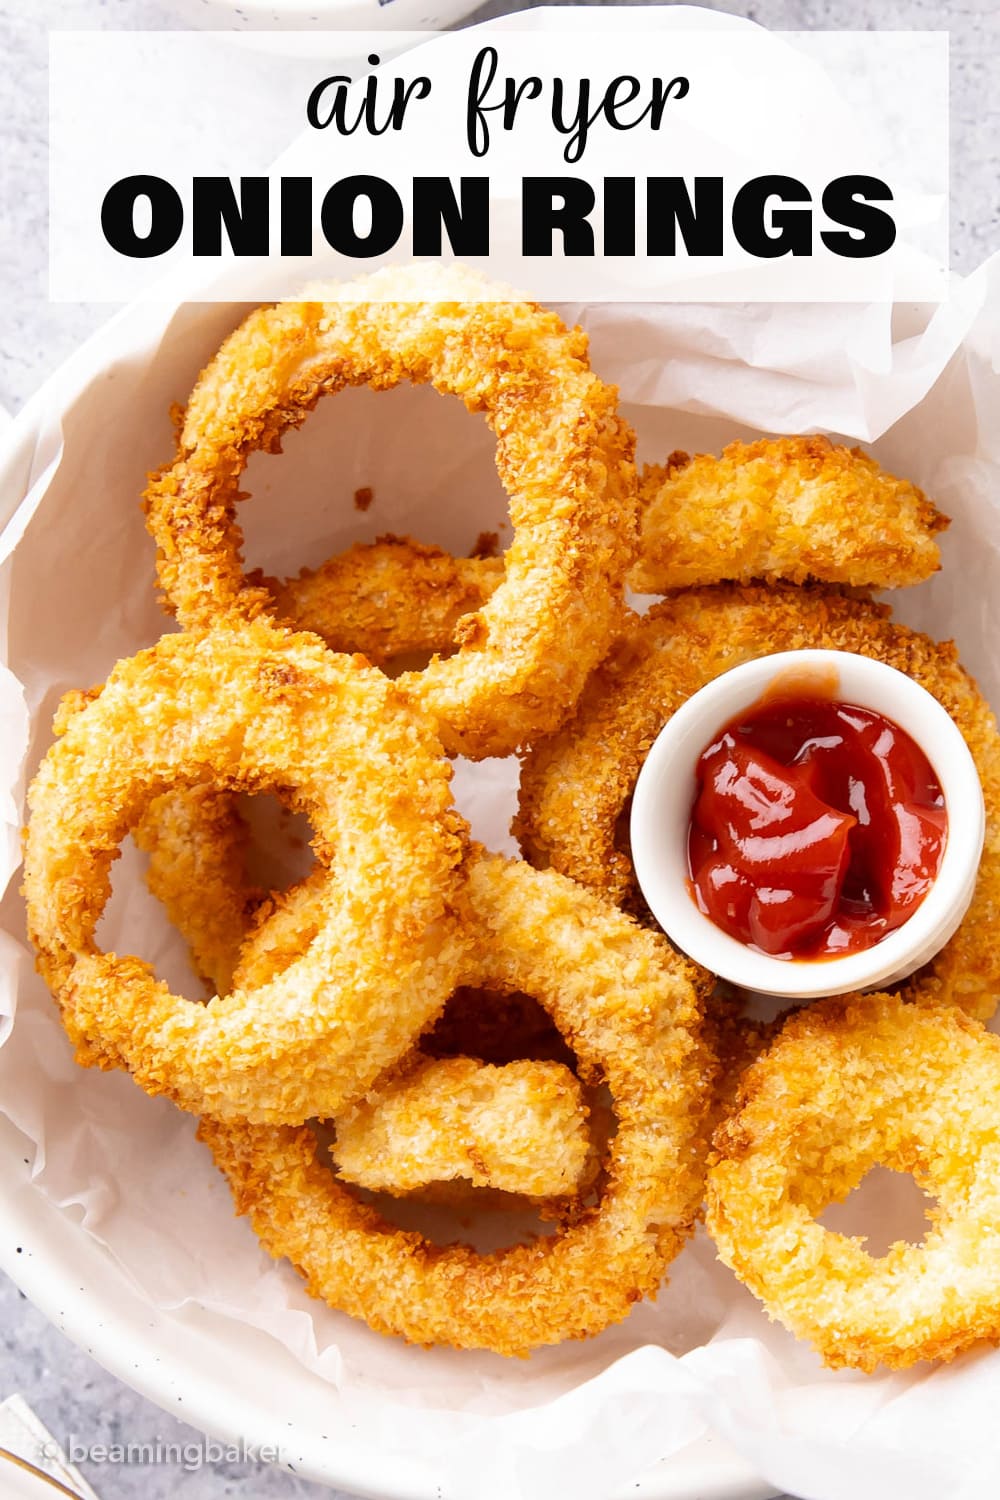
x,y
69,1391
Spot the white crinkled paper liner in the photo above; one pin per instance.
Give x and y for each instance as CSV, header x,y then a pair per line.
x,y
76,591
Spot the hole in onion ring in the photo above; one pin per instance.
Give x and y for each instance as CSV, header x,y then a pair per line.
x,y
134,921
432,456
450,1213
485,793
279,852
496,1028
622,837
456,1213
411,661
886,1207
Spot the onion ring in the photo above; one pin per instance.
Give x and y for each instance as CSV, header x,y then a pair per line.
x,y
849,1083
791,508
576,786
197,842
391,597
521,1129
563,455
629,1007
252,707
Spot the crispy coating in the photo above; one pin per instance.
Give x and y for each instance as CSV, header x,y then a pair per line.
x,y
782,508
389,598
563,455
454,1118
628,1006
251,707
850,1083
576,786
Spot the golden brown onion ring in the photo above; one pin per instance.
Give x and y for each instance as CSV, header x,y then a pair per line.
x,y
563,454
197,842
383,599
850,1083
253,707
576,786
629,1008
791,508
522,1129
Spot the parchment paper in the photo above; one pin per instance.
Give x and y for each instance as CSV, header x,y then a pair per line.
x,y
922,388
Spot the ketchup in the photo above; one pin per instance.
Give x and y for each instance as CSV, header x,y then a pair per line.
x,y
817,828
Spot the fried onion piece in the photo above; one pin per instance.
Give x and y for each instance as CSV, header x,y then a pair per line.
x,y
563,455
629,1008
782,508
851,1083
392,597
576,786
250,706
521,1128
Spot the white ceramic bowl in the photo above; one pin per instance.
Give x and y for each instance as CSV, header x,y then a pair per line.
x,y
664,795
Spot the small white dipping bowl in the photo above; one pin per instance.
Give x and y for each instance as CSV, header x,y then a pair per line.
x,y
665,793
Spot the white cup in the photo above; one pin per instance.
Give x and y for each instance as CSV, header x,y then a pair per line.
x,y
664,799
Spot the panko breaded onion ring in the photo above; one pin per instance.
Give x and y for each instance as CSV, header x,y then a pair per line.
x,y
252,707
628,1006
521,1128
576,786
850,1083
384,599
392,597
791,508
563,454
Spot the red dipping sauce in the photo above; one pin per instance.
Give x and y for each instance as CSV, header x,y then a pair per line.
x,y
817,828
